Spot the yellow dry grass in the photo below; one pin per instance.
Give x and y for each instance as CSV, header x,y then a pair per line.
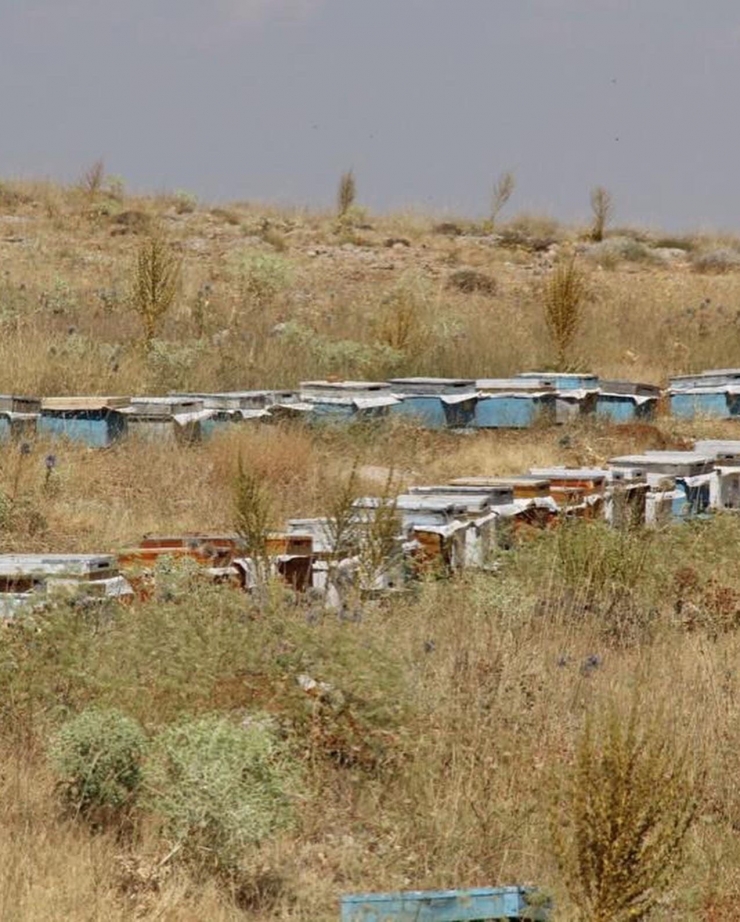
x,y
493,667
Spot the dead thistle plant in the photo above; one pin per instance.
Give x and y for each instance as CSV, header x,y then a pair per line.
x,y
346,193
602,206
564,294
156,283
621,816
91,181
503,189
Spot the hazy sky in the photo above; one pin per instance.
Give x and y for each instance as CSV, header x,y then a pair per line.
x,y
428,100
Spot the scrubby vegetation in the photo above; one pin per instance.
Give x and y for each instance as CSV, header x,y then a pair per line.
x,y
210,754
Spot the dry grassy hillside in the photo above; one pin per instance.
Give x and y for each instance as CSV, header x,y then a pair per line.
x,y
439,728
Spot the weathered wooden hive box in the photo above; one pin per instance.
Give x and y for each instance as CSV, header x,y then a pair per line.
x,y
625,401
726,454
38,576
18,416
94,421
523,486
495,493
477,905
166,419
513,403
235,407
342,401
436,403
687,476
578,491
626,499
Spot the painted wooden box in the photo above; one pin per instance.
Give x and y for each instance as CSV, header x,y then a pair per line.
x,y
513,403
94,421
477,905
436,403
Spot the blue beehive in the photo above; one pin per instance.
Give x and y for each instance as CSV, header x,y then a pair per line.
x,y
484,903
18,416
511,403
624,402
95,421
563,381
230,407
575,393
436,403
345,401
710,393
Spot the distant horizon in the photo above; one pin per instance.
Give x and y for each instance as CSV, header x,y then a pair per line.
x,y
270,100
421,210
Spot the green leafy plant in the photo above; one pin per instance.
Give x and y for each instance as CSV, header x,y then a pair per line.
x,y
622,813
219,787
97,756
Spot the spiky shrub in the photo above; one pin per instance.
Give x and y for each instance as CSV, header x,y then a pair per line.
x,y
564,295
622,814
97,757
156,283
503,189
219,788
346,193
379,547
252,514
602,206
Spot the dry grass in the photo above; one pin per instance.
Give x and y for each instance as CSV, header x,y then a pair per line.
x,y
460,702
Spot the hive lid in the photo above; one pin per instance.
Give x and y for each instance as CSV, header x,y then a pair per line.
x,y
89,403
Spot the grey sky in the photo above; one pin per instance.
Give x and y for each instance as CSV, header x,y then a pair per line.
x,y
428,100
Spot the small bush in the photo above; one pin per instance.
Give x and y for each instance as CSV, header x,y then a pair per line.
x,y
448,229
614,250
471,281
720,260
219,788
97,756
185,202
264,277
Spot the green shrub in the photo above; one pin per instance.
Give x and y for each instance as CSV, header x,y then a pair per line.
x,y
97,756
264,277
219,787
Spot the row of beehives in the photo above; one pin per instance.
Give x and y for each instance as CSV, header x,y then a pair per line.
x,y
431,402
465,523
437,403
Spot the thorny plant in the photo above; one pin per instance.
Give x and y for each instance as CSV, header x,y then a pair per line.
x,y
621,815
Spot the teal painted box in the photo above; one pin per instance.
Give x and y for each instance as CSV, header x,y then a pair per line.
x,y
477,905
